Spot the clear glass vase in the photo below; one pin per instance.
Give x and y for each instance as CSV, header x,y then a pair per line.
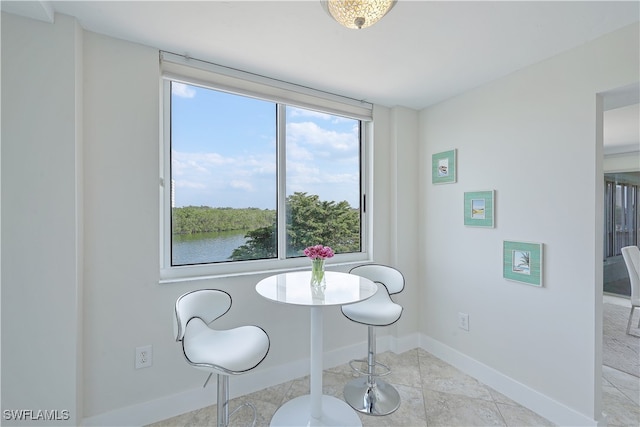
x,y
317,273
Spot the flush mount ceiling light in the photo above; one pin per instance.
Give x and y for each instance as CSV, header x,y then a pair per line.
x,y
357,14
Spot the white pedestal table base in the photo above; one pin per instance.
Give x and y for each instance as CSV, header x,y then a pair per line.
x,y
297,412
316,409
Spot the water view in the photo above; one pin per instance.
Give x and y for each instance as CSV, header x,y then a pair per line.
x,y
205,247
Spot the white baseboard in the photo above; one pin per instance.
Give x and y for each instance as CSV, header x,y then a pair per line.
x,y
198,398
170,406
191,400
539,403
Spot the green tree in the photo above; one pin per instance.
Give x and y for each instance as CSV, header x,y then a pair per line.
x,y
261,244
205,219
310,221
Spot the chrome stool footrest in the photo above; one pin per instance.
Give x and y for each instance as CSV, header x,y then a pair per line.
x,y
387,370
253,408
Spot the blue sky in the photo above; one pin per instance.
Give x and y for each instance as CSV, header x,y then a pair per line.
x,y
224,151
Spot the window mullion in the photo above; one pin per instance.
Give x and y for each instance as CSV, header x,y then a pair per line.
x,y
611,225
636,208
165,177
281,131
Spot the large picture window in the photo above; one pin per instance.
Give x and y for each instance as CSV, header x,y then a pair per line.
x,y
250,182
622,216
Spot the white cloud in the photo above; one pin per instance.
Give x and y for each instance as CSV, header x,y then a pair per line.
x,y
213,159
182,90
308,133
200,163
301,112
204,177
241,185
190,184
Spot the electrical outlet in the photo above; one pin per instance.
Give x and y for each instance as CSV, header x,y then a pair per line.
x,y
144,357
463,321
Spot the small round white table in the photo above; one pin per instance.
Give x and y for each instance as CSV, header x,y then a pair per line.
x,y
316,409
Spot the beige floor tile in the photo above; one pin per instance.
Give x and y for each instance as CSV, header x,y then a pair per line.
x,y
516,415
620,410
274,395
446,409
633,395
501,398
432,392
442,377
620,379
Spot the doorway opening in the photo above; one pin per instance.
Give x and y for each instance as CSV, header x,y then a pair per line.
x,y
621,221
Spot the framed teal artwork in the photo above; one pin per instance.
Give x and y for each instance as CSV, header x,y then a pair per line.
x,y
443,167
479,209
522,262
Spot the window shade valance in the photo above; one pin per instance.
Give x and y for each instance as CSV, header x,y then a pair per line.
x,y
180,68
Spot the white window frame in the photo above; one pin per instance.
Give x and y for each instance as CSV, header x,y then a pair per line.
x,y
190,71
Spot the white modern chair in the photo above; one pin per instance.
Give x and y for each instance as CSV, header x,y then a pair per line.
x,y
368,394
631,255
222,352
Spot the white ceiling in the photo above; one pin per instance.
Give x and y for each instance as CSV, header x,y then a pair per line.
x,y
421,53
622,130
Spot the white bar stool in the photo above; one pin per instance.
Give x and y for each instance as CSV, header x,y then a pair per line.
x,y
367,394
222,352
631,255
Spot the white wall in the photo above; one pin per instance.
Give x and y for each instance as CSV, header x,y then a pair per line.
x,y
531,137
403,221
124,305
41,217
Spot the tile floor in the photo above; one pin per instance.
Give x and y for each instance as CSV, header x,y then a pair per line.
x,y
433,393
620,391
620,398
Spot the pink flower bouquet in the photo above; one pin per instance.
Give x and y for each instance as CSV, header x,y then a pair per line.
x,y
319,252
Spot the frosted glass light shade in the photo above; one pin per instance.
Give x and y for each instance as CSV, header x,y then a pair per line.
x,y
358,14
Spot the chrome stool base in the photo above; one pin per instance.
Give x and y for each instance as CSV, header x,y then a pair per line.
x,y
379,398
223,415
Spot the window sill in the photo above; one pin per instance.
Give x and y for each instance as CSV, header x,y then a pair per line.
x,y
299,266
